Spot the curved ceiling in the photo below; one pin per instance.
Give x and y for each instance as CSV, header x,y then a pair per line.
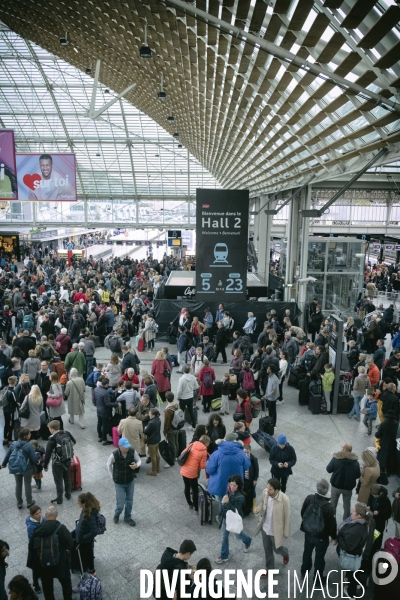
x,y
252,119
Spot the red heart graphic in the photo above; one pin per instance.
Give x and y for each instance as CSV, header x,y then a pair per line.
x,y
29,180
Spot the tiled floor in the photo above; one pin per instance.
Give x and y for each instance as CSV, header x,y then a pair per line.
x,y
160,510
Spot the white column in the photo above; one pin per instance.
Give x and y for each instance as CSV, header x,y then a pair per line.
x,y
305,232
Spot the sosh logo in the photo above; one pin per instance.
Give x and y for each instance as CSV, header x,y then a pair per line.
x,y
384,568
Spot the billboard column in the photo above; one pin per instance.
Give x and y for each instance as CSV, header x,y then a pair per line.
x,y
222,224
292,244
305,232
264,245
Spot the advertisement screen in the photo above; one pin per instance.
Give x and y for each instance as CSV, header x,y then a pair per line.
x,y
46,177
8,169
222,218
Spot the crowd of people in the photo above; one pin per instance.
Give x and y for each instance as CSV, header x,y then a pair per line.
x,y
52,319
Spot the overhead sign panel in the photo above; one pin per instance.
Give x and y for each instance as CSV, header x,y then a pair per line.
x,y
8,168
222,219
46,177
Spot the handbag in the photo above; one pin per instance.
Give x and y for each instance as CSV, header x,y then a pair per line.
x,y
233,379
53,402
167,372
233,521
182,458
364,411
256,375
25,411
238,417
349,562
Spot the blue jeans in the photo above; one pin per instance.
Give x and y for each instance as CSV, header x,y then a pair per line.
x,y
356,406
225,540
89,365
124,492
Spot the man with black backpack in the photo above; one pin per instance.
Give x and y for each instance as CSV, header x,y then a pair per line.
x,y
49,554
60,449
318,524
21,459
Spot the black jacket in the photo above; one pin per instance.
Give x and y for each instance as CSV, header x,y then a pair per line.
x,y
152,431
102,401
390,401
345,470
328,513
254,471
384,508
263,339
353,536
387,433
220,338
282,455
86,529
43,381
51,446
25,343
170,563
62,570
318,368
129,362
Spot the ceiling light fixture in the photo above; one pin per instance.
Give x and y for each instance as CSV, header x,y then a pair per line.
x,y
161,94
145,51
88,71
64,40
176,135
180,146
106,91
170,119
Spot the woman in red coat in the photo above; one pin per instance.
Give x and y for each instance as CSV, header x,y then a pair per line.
x,y
159,369
206,378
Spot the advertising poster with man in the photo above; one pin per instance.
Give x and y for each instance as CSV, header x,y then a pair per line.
x,y
8,169
46,177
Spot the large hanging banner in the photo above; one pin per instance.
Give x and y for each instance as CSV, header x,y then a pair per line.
x,y
46,177
8,168
222,218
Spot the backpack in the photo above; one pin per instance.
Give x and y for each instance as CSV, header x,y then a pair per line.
x,y
18,462
20,315
64,447
153,327
105,296
313,519
28,322
101,523
115,344
179,419
392,545
3,397
248,381
245,348
46,352
255,406
90,588
208,380
47,549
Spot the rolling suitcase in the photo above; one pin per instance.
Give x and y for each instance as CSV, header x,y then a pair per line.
x,y
264,440
182,444
96,341
304,392
188,418
315,400
205,505
75,473
166,452
44,432
293,379
345,403
141,345
233,388
217,389
266,424
115,436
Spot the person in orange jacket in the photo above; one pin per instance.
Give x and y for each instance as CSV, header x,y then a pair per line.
x,y
190,471
374,373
